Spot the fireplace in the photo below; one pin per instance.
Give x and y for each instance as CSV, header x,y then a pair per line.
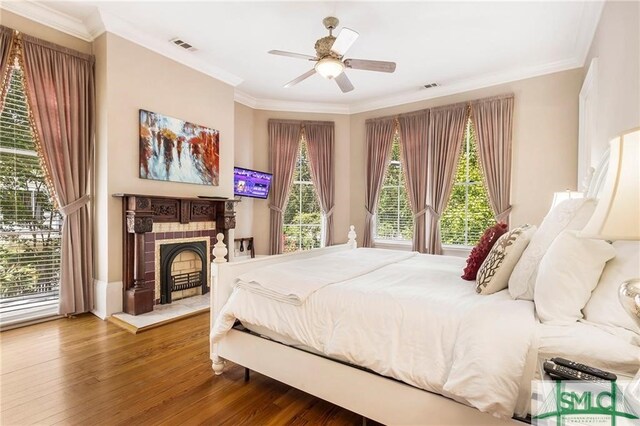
x,y
151,221
183,270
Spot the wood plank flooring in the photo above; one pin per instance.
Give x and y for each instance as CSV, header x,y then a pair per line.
x,y
84,371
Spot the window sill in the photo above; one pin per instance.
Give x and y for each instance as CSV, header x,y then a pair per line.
x,y
457,251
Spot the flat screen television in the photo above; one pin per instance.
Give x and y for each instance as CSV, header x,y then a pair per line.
x,y
251,183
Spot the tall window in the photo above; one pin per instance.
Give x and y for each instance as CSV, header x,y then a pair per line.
x,y
29,224
302,216
468,212
394,219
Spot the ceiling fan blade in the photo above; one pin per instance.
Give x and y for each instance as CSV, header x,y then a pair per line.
x,y
344,83
364,64
302,77
293,55
345,40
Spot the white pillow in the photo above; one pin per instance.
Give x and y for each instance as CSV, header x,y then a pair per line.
x,y
570,214
494,272
604,309
568,273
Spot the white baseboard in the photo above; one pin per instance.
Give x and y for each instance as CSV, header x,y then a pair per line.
x,y
108,298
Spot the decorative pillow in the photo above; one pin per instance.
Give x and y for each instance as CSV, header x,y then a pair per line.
x,y
494,273
568,273
481,250
571,215
604,309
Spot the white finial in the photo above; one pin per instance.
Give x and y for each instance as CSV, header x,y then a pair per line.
x,y
352,237
219,249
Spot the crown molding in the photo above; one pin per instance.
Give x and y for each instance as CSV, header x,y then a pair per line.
x,y
591,13
192,60
41,13
290,106
100,22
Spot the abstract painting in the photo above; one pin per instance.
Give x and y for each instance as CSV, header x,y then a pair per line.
x,y
177,151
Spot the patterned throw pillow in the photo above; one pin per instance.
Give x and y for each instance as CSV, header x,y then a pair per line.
x,y
481,250
494,273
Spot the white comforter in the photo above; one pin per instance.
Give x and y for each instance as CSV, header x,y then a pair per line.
x,y
301,278
414,320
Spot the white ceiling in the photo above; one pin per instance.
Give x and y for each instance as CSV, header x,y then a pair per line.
x,y
459,45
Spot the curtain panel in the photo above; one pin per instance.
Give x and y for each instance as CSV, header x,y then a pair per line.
x,y
284,140
414,129
6,48
61,93
378,140
320,138
493,124
446,129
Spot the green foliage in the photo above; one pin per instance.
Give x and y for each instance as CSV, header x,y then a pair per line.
x,y
468,212
302,216
29,224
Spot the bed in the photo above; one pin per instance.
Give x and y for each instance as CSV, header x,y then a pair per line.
x,y
396,337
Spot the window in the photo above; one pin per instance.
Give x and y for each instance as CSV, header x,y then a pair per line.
x,y
468,213
29,224
394,219
302,217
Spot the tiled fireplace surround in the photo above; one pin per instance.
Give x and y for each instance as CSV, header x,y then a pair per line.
x,y
172,233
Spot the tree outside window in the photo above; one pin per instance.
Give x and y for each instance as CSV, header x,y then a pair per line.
x,y
29,223
468,212
303,216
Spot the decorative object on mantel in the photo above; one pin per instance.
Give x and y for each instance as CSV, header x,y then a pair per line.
x,y
140,213
617,213
178,151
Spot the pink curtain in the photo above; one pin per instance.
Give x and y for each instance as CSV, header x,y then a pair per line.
x,y
493,123
6,46
320,146
446,128
284,140
61,94
414,129
378,140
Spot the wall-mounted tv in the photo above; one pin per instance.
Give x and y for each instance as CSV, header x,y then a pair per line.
x,y
251,183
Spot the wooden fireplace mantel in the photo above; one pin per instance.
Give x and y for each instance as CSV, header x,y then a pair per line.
x,y
139,212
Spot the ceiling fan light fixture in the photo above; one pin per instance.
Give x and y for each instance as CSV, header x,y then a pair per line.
x,y
329,67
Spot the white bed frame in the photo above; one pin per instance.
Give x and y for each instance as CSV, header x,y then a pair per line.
x,y
373,396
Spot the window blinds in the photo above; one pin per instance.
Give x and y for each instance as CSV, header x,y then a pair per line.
x,y
29,225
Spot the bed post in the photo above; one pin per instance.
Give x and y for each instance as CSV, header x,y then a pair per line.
x,y
352,237
219,253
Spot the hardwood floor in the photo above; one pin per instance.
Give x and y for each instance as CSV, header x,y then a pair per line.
x,y
86,371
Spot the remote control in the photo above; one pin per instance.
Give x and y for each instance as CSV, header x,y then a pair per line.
x,y
569,373
585,369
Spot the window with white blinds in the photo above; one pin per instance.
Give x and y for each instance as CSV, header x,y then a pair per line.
x,y
394,219
302,217
468,212
29,224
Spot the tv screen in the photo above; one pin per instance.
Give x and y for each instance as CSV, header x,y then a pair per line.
x,y
251,183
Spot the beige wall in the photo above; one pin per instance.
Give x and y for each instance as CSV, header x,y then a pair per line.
x,y
32,28
260,230
137,78
617,46
244,129
545,135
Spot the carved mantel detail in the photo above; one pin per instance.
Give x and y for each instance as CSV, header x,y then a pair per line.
x,y
139,212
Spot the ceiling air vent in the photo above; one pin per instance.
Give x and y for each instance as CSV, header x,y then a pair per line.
x,y
183,44
430,85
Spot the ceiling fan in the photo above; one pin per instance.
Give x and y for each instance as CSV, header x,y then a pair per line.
x,y
329,60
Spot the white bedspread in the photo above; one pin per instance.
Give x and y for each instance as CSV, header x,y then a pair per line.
x,y
301,278
414,320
